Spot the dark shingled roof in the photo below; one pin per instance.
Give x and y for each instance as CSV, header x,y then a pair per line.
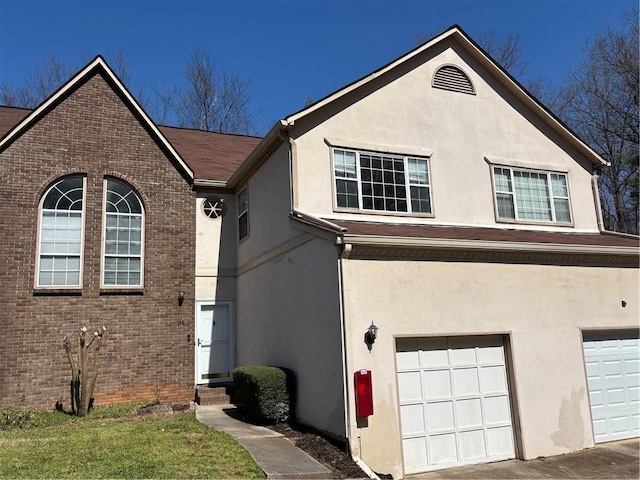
x,y
486,234
212,156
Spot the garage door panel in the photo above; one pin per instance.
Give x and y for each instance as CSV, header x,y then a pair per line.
x,y
500,441
442,449
497,410
440,416
466,381
437,384
433,352
409,386
467,414
472,445
412,418
612,366
494,379
415,453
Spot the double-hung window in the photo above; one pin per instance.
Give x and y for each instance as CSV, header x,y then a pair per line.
x,y
123,236
60,242
381,182
243,213
531,195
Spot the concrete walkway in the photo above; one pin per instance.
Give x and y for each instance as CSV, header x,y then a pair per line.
x,y
272,451
605,461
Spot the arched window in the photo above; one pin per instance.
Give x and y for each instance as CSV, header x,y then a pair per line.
x,y
60,236
123,236
449,77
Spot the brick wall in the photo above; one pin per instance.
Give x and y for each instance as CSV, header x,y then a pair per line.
x,y
145,353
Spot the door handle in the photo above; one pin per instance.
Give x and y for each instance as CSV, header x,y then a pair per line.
x,y
199,342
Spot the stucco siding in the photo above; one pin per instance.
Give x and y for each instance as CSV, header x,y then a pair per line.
x,y
288,315
540,309
216,241
269,207
403,113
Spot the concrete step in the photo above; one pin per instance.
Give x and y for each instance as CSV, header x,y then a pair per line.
x,y
214,395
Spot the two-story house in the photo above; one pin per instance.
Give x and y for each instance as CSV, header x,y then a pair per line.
x,y
435,199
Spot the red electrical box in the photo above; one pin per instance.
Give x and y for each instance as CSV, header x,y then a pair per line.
x,y
364,393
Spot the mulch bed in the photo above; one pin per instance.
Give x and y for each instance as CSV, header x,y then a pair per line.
x,y
331,453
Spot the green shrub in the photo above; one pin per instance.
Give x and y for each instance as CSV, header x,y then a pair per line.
x,y
265,394
14,418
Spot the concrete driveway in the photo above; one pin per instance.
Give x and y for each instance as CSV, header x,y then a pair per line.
x,y
608,460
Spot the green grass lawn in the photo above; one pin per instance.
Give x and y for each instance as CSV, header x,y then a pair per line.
x,y
111,443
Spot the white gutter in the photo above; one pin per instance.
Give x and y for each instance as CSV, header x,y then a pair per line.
x,y
598,205
321,221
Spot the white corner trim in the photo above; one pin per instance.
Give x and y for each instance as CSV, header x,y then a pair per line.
x,y
376,147
509,162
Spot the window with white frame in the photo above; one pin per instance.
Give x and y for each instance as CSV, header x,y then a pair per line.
x,y
60,239
381,182
123,236
243,213
531,196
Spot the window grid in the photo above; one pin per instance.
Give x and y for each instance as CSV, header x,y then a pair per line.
x,y
377,182
535,196
243,213
60,243
123,245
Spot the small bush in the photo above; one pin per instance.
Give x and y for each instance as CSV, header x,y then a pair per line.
x,y
11,418
265,394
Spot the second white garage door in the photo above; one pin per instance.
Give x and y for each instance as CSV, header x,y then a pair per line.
x,y
454,402
613,375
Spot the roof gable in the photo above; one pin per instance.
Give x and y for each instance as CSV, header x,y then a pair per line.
x,y
98,65
457,35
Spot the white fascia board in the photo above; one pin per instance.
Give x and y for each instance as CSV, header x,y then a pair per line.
x,y
452,244
491,66
97,62
257,153
358,83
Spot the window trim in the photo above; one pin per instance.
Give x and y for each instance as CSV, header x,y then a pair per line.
x,y
103,237
423,155
36,280
245,188
516,166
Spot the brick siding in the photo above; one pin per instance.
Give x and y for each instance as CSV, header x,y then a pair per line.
x,y
146,352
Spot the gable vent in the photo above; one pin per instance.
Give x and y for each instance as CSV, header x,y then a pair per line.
x,y
452,78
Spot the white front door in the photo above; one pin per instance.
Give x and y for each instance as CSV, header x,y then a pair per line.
x,y
613,376
454,402
214,342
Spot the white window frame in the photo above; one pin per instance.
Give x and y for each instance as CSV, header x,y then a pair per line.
x,y
358,181
104,254
550,195
39,253
243,212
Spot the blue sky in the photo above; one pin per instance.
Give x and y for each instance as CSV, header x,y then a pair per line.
x,y
289,50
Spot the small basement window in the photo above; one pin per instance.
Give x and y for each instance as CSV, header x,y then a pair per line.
x,y
450,77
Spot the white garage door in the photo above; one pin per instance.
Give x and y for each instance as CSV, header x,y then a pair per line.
x,y
612,375
454,402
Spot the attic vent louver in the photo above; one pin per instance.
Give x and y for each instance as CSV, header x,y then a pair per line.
x,y
452,78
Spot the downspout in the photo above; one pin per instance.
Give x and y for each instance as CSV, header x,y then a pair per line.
x,y
598,205
596,200
344,256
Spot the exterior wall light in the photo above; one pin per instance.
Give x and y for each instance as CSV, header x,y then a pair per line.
x,y
180,299
370,336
